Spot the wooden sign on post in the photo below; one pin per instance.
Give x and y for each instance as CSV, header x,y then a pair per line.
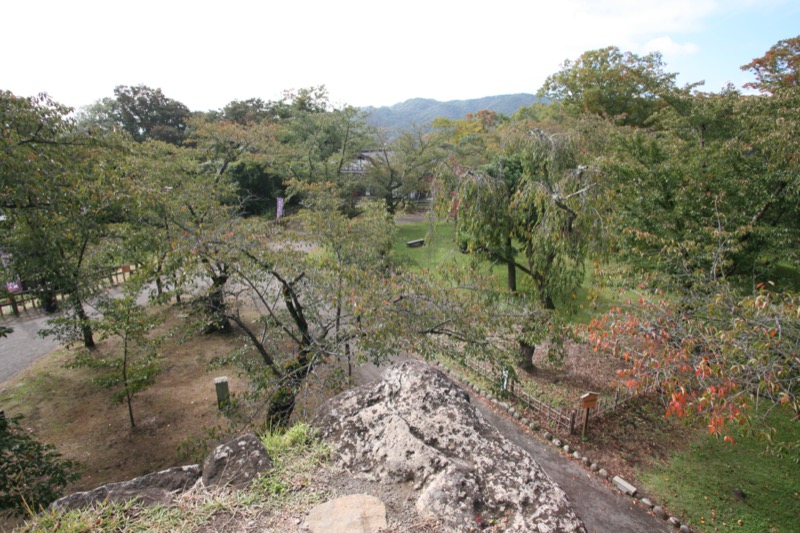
x,y
588,401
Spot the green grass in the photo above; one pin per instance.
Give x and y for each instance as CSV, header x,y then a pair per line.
x,y
698,484
440,249
439,246
787,277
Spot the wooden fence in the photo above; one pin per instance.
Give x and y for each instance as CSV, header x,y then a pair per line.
x,y
13,305
544,411
622,395
560,419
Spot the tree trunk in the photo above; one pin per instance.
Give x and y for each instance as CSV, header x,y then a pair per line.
x,y
128,397
512,268
49,302
526,352
282,403
86,328
215,307
512,277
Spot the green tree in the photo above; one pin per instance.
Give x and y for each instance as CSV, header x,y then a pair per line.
x,y
136,366
316,141
534,199
250,111
146,113
397,169
62,199
712,192
778,68
347,304
614,84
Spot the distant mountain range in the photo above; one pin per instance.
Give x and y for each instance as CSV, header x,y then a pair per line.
x,y
421,111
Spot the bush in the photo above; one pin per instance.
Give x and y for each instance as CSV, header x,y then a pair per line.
x,y
32,474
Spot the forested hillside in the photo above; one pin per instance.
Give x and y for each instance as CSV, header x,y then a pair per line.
x,y
422,111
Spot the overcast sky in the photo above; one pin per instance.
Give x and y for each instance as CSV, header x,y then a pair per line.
x,y
206,54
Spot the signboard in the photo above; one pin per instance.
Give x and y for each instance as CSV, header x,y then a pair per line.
x,y
589,400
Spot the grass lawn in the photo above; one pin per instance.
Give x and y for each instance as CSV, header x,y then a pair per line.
x,y
439,245
440,248
701,484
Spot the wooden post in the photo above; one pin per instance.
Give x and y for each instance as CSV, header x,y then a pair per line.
x,y
572,422
588,401
14,307
223,394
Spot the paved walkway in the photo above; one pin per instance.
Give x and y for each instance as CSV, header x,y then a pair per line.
x,y
23,346
602,509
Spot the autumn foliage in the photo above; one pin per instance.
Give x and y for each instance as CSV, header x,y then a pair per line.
x,y
724,359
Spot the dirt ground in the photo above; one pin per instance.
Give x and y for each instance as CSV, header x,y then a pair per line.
x,y
62,407
634,437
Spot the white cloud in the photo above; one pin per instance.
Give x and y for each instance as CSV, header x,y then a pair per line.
x,y
669,48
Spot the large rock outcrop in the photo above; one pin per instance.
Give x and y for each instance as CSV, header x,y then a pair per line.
x,y
416,426
158,487
233,464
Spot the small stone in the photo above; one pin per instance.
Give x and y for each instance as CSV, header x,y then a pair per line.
x,y
349,514
647,503
557,443
576,455
534,425
684,529
504,405
517,416
526,422
624,486
586,461
567,449
512,411
660,512
595,467
674,522
603,473
548,435
297,521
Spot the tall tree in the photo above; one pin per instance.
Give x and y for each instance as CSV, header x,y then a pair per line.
x,y
534,198
146,113
62,199
710,193
250,111
317,141
778,68
612,83
347,304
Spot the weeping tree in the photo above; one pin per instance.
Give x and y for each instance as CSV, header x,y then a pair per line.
x,y
531,208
